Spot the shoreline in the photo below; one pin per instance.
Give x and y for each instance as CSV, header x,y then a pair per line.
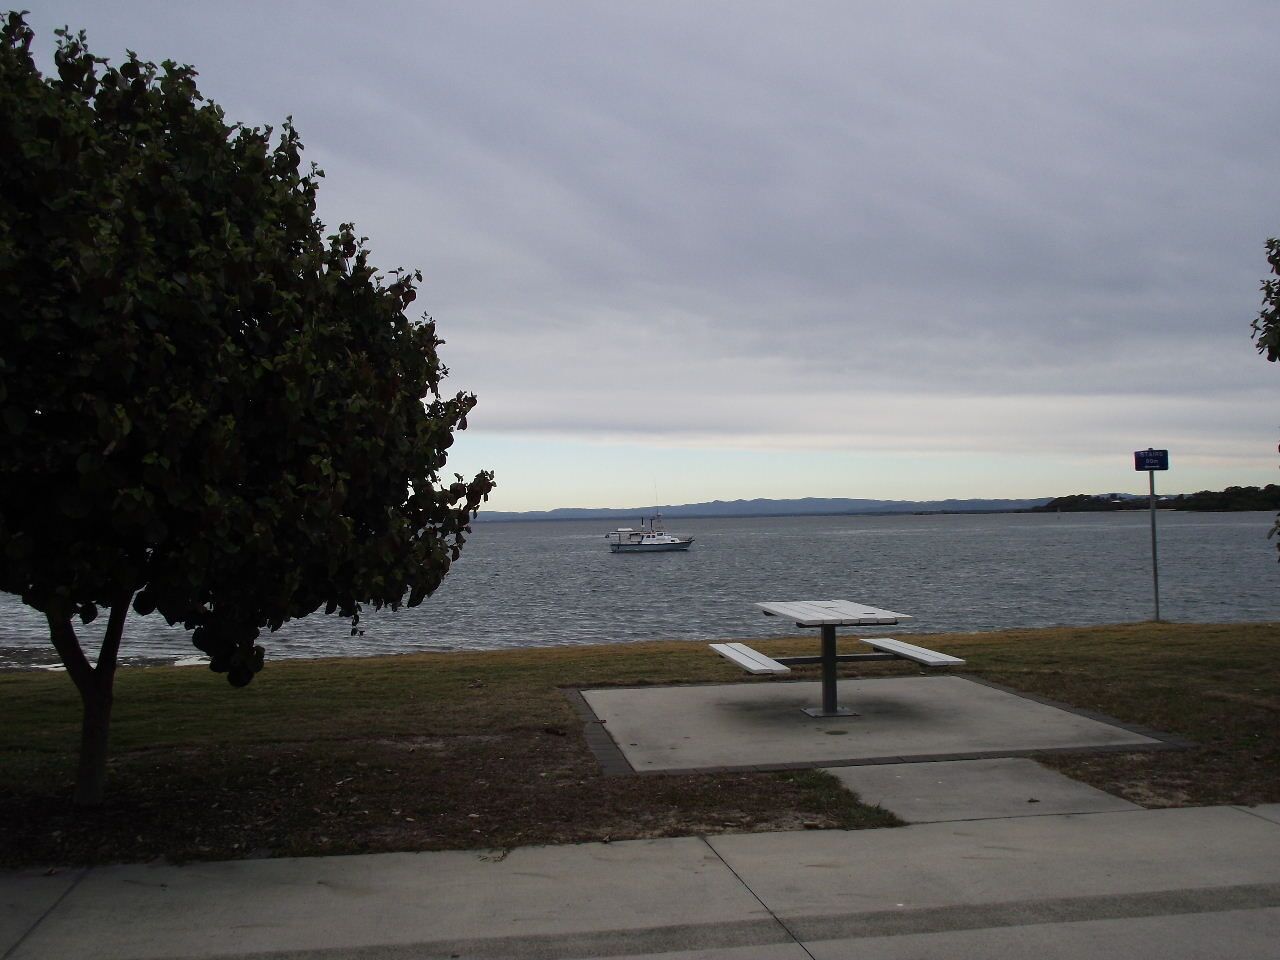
x,y
143,662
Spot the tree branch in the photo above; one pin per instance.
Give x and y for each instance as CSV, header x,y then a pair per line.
x,y
111,640
68,647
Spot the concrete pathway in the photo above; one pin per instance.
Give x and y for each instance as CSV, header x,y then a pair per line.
x,y
974,790
1174,884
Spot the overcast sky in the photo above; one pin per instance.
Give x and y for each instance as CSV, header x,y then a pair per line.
x,y
693,251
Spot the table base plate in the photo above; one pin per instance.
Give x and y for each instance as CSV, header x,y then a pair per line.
x,y
838,712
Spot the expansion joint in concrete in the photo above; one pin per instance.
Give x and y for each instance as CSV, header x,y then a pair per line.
x,y
80,875
746,886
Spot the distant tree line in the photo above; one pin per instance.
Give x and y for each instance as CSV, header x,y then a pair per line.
x,y
1232,498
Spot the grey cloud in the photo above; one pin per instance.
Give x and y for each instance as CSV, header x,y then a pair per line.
x,y
1013,206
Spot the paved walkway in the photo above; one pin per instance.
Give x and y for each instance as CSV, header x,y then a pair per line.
x,y
1173,884
974,790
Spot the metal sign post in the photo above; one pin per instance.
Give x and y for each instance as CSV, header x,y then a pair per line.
x,y
1152,460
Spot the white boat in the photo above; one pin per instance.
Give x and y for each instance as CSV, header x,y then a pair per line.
x,y
650,537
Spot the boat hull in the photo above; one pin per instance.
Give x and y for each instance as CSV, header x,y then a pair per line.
x,y
649,547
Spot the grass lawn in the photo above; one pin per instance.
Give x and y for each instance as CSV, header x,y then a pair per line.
x,y
459,750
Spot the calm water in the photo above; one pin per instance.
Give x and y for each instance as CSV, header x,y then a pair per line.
x,y
537,584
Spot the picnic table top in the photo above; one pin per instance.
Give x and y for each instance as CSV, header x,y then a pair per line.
x,y
829,613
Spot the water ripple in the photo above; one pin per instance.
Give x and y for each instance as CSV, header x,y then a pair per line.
x,y
549,584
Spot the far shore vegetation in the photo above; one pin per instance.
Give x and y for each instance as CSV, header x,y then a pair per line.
x,y
1233,498
1230,499
484,750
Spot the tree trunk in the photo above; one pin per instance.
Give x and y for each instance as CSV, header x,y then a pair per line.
x,y
95,726
95,685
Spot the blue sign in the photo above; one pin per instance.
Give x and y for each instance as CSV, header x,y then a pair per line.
x,y
1151,459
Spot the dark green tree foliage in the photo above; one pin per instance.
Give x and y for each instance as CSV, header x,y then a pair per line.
x,y
1266,328
1230,499
208,408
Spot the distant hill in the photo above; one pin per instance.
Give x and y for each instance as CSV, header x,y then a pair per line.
x,y
807,506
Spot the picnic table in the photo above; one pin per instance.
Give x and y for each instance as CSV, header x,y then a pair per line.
x,y
827,615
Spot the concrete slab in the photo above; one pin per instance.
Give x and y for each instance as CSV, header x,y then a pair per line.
x,y
746,724
643,896
772,951
25,897
1268,811
974,789
1238,934
932,877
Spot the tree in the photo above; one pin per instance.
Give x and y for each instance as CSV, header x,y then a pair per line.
x,y
208,408
1266,328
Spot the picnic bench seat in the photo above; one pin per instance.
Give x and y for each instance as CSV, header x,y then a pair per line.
x,y
909,651
753,661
